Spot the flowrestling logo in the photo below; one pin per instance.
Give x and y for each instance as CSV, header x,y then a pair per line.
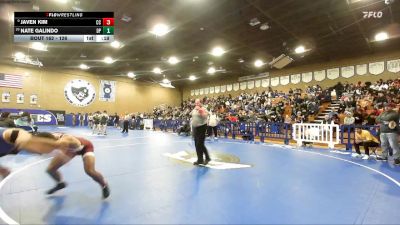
x,y
79,93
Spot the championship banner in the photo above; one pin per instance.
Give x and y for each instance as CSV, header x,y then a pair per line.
x,y
206,90
284,80
229,87
275,81
319,75
333,73
347,71
376,68
250,84
243,86
5,97
236,86
33,99
265,82
295,78
361,69
212,90
191,92
307,77
257,83
107,91
393,66
223,88
20,98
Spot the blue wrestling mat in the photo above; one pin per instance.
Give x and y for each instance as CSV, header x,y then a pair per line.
x,y
153,182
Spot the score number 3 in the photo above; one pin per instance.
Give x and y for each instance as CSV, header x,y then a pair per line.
x,y
108,21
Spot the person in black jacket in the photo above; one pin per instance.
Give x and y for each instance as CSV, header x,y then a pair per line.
x,y
389,128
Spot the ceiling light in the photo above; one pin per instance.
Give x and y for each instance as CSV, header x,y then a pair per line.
x,y
62,1
192,77
35,8
381,36
300,49
264,26
258,63
253,22
126,18
217,51
241,60
131,75
38,46
157,70
19,55
83,67
108,60
77,9
166,81
211,70
173,60
160,30
116,44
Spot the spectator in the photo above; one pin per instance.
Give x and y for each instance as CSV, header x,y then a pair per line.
x,y
25,120
366,139
81,119
126,123
116,120
349,119
5,120
389,128
212,122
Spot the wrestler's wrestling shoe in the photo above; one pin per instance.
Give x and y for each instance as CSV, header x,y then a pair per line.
x,y
106,191
59,186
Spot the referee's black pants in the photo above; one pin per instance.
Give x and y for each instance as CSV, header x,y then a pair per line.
x,y
125,127
199,135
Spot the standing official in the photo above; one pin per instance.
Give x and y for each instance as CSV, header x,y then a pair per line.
x,y
199,126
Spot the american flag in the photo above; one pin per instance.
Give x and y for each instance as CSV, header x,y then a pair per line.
x,y
11,81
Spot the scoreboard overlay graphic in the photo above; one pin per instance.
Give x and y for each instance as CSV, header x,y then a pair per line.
x,y
63,26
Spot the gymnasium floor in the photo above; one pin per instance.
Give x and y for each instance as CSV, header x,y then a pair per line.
x,y
283,185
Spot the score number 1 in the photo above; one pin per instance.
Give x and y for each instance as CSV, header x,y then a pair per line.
x,y
108,26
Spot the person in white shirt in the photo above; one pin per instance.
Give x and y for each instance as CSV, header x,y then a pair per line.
x,y
212,122
103,123
127,117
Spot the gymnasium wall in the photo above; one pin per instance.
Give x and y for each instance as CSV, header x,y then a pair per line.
x,y
203,83
131,96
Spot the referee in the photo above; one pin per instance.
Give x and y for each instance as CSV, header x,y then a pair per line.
x,y
199,127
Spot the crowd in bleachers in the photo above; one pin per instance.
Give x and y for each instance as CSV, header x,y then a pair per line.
x,y
267,106
361,103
